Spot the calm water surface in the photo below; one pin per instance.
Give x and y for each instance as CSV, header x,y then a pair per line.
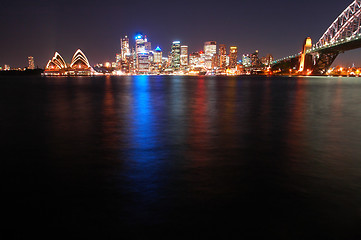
x,y
174,157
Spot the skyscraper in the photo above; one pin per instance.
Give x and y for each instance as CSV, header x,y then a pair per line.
x,y
147,45
124,47
246,60
157,55
141,53
118,59
222,55
175,53
31,63
269,59
255,61
210,50
139,43
184,56
233,51
143,63
196,60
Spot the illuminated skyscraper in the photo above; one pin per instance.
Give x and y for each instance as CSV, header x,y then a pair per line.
x,y
124,47
175,53
210,50
197,60
118,59
139,43
222,55
193,60
255,61
147,45
184,56
269,59
141,53
233,57
31,63
143,63
246,60
157,55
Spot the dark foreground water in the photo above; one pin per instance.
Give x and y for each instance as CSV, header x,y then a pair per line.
x,y
181,157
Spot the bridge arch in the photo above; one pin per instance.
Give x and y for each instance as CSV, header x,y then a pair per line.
x,y
346,25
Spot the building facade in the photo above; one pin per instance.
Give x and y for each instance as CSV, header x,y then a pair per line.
x,y
142,47
124,48
158,55
184,56
175,55
210,50
222,56
31,62
233,52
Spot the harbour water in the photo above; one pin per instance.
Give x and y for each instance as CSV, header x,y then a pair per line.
x,y
181,157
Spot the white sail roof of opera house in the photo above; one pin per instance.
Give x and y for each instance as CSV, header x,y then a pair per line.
x,y
58,61
79,56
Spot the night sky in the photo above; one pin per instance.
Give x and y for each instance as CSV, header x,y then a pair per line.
x,y
39,28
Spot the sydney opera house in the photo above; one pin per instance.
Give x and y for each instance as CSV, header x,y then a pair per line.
x,y
79,65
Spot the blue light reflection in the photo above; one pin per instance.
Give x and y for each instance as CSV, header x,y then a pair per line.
x,y
146,151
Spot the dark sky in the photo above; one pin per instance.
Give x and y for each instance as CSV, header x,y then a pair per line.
x,y
39,28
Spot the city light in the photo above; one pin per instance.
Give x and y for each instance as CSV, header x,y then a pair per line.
x,y
139,58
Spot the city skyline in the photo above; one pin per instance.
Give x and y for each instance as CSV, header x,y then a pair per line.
x,y
249,26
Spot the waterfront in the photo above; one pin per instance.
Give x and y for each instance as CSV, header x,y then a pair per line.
x,y
175,156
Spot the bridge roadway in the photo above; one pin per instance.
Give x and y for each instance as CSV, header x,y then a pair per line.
x,y
322,57
338,46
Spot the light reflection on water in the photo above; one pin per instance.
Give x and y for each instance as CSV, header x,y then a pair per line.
x,y
175,152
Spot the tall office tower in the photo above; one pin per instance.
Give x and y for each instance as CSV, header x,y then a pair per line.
x,y
269,59
133,59
210,49
222,55
184,56
215,61
157,55
143,63
118,59
233,57
175,53
193,60
129,67
139,44
148,46
246,60
151,57
255,61
196,60
124,47
122,59
31,62
141,53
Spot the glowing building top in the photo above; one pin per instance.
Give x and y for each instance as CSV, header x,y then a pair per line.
x,y
210,48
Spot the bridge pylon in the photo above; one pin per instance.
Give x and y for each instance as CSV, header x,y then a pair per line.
x,y
306,59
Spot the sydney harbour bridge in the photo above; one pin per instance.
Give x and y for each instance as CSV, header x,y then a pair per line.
x,y
344,34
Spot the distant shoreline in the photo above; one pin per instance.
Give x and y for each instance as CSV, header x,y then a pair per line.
x,y
27,72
